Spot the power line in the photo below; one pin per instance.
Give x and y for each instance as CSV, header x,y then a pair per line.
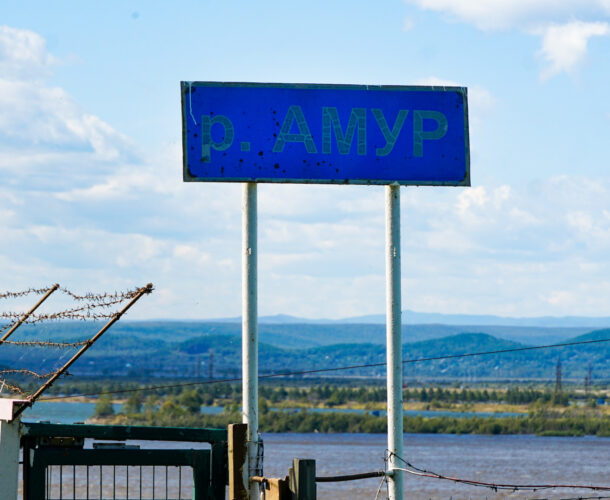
x,y
574,498
505,486
493,486
334,369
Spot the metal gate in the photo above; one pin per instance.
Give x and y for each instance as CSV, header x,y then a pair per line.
x,y
57,466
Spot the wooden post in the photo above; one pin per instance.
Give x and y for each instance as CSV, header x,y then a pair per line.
x,y
237,461
277,489
302,479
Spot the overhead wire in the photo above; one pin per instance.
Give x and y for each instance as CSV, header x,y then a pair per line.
x,y
412,469
328,370
384,479
107,300
95,301
572,498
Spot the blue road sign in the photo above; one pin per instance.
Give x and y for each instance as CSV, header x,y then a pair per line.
x,y
335,134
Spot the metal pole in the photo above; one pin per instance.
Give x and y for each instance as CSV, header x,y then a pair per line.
x,y
27,314
250,333
394,339
115,317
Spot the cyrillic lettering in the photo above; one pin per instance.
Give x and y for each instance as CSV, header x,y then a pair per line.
x,y
207,144
390,136
419,135
294,114
330,122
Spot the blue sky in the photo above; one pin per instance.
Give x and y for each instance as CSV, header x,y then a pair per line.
x,y
91,191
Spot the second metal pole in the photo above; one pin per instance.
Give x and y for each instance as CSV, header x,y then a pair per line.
x,y
394,339
250,333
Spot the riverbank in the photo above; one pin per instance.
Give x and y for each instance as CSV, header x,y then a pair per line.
x,y
542,423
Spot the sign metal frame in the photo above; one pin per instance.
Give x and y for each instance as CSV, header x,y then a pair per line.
x,y
187,114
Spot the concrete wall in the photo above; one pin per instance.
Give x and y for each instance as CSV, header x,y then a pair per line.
x,y
9,450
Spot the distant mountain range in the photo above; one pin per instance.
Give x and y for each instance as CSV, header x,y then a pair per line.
x,y
151,349
295,335
417,318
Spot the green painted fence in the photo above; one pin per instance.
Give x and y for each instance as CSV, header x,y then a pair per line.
x,y
56,465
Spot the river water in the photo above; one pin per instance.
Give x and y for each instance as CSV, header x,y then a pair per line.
x,y
494,459
497,459
506,459
68,412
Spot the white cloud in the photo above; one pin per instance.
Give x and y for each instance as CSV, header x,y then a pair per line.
x,y
506,14
75,208
476,196
408,24
499,249
191,253
565,46
559,298
581,221
565,26
526,218
45,136
23,54
46,119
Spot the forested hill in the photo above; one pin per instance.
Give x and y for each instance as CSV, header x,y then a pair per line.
x,y
184,349
297,335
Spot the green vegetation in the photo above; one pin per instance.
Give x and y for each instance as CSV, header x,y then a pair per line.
x,y
103,406
565,414
133,404
179,350
331,396
541,422
316,393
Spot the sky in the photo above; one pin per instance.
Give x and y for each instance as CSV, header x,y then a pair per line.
x,y
91,191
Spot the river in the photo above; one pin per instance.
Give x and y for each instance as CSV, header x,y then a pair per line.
x,y
68,412
498,459
505,459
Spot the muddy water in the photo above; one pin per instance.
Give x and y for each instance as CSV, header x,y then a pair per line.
x,y
506,459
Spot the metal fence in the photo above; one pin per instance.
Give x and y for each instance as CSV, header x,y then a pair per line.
x,y
117,482
57,465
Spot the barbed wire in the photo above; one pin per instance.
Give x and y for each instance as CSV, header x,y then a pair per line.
x,y
42,343
7,326
23,293
412,469
92,297
13,388
21,371
90,310
80,313
25,371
